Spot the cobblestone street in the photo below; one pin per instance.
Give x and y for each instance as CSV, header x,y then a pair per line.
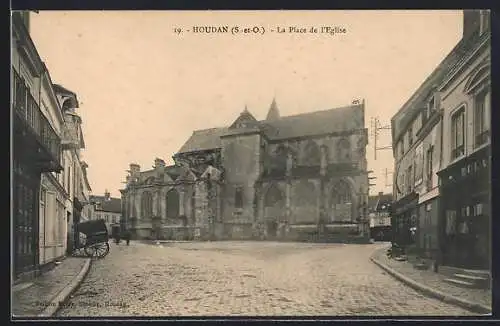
x,y
245,278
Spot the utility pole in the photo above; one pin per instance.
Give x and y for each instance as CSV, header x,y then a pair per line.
x,y
387,173
376,127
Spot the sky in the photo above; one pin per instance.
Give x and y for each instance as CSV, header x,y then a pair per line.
x,y
143,88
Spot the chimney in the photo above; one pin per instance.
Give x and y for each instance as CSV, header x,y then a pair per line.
x,y
471,22
159,163
134,169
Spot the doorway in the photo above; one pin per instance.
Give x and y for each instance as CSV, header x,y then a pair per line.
x,y
26,218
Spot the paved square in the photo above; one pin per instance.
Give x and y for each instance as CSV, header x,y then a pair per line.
x,y
246,279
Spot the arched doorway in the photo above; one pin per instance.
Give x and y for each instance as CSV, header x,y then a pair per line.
x,y
274,208
342,203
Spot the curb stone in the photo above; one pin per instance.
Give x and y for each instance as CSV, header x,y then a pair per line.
x,y
473,307
62,296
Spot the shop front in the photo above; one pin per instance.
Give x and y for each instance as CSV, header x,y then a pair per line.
x,y
404,220
465,215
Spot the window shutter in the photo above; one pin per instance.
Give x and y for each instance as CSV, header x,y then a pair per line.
x,y
50,217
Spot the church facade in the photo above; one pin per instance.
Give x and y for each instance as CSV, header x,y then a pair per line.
x,y
300,177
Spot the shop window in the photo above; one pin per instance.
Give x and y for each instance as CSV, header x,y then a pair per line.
x,y
451,221
478,209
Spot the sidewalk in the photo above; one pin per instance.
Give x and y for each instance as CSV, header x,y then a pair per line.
x,y
41,296
433,284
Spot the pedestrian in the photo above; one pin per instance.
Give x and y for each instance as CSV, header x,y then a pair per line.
x,y
127,236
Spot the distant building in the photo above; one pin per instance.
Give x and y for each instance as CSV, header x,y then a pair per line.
x,y
108,209
379,208
441,148
284,177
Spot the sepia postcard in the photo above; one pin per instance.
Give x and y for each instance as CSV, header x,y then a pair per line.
x,y
251,164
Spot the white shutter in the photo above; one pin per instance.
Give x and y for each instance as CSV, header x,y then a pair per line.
x,y
50,217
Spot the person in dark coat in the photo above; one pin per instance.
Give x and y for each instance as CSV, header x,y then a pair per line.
x,y
127,236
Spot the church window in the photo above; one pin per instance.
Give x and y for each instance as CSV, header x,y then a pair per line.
x,y
306,194
312,154
173,203
344,150
274,197
341,203
238,197
146,204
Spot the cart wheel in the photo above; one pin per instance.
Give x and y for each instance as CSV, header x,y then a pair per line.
x,y
98,250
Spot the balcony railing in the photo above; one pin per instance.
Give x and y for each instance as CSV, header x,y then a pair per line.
x,y
27,109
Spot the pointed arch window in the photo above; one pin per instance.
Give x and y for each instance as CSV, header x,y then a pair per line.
x,y
341,202
274,197
312,154
344,150
305,193
238,197
147,204
173,206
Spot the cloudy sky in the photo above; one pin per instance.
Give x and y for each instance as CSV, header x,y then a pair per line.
x,y
144,88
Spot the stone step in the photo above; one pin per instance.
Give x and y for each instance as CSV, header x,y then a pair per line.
x,y
464,284
476,272
473,278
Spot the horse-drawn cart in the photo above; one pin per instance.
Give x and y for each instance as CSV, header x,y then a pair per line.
x,y
95,241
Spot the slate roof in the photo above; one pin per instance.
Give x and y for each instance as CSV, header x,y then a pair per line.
x,y
305,124
113,205
203,139
376,202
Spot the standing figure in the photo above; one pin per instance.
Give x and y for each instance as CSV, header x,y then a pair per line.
x,y
127,236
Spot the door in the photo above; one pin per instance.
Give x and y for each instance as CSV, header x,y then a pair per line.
x,y
26,221
272,229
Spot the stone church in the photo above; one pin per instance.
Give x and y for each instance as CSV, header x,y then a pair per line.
x,y
297,177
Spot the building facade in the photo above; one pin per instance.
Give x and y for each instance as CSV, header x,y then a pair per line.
x,y
53,195
36,146
278,178
73,178
108,209
379,208
465,175
422,139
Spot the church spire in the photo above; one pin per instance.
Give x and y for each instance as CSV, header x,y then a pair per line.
x,y
273,113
